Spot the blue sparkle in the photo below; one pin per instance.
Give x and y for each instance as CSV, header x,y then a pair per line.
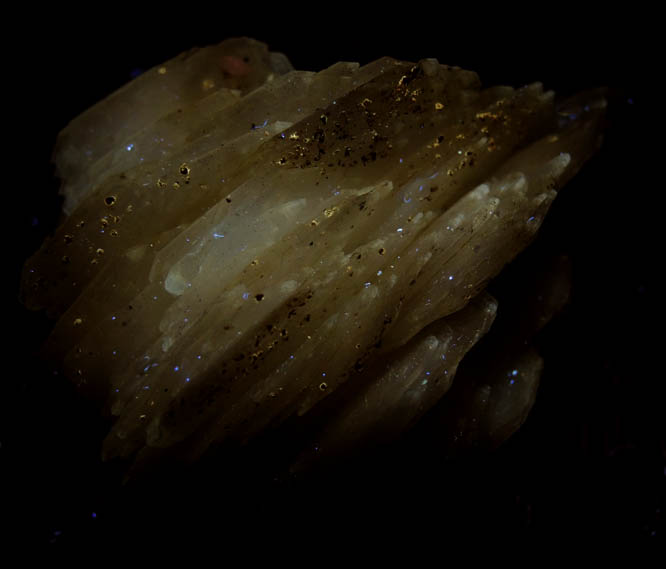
x,y
94,514
256,126
129,147
176,368
406,199
246,295
512,381
366,285
187,379
218,235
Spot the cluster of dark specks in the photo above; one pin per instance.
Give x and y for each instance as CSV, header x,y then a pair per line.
x,y
356,130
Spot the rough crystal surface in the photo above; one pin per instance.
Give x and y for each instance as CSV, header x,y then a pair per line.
x,y
246,243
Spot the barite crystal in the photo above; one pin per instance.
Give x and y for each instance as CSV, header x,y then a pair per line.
x,y
246,244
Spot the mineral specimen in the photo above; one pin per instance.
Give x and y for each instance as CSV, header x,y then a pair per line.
x,y
245,243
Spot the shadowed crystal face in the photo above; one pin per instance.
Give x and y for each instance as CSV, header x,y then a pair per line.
x,y
245,243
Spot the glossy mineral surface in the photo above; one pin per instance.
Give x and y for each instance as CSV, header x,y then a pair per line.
x,y
245,243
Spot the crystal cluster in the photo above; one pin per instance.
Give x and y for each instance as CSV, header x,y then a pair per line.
x,y
245,244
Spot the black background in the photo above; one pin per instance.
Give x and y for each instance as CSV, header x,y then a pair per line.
x,y
590,458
